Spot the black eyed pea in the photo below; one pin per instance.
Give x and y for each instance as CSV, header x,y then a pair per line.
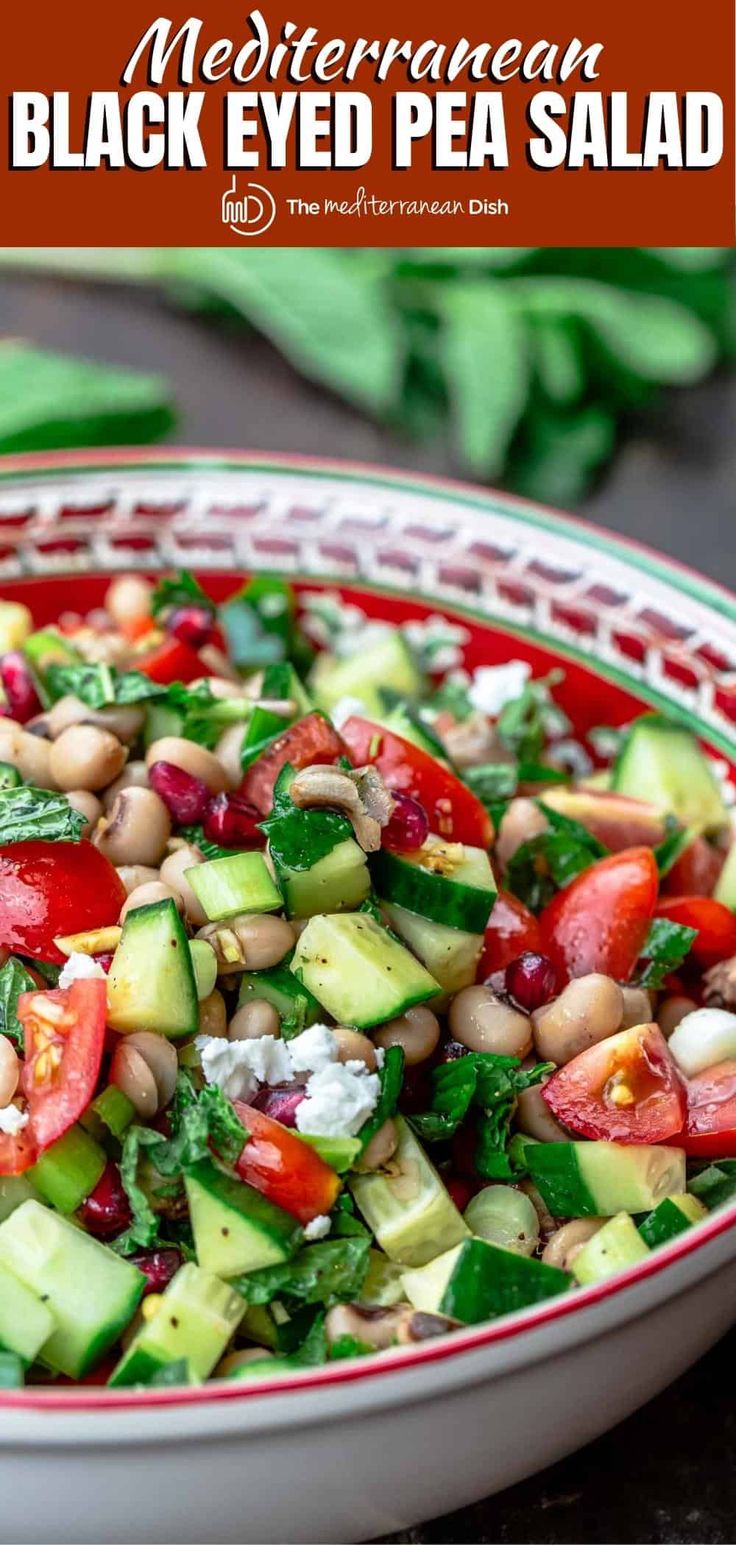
x,y
136,830
521,821
213,1015
481,1021
9,1071
127,598
354,1047
534,1118
568,1241
253,1019
125,722
160,1055
588,1010
381,1147
88,805
384,1327
172,874
86,757
637,1007
191,758
31,754
146,895
133,875
133,775
228,751
417,1032
253,942
671,1011
130,1071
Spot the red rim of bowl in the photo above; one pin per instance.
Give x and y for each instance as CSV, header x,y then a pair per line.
x,y
85,1397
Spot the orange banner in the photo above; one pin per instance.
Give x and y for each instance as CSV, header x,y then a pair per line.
x,y
371,125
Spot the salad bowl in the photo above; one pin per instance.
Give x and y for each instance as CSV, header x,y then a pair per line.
x,y
363,1447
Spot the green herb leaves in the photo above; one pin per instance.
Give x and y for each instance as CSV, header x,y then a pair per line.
x,y
665,948
14,979
49,400
548,862
101,686
488,1086
37,815
180,589
331,1271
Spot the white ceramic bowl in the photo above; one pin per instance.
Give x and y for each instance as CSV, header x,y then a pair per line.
x,y
367,1447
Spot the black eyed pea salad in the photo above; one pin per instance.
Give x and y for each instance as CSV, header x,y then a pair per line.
x,y
346,997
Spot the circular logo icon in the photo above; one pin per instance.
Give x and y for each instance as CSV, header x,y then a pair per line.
x,y
248,211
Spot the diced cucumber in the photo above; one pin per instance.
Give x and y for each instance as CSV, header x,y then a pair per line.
x,y
68,1170
11,1371
383,1283
151,983
293,1001
90,1292
236,1229
578,1180
266,1367
662,762
160,722
339,882
357,971
239,883
111,1112
478,1281
446,881
617,1244
387,663
204,966
194,1320
409,1210
450,955
14,1189
47,647
725,889
672,1217
25,1323
339,1152
280,684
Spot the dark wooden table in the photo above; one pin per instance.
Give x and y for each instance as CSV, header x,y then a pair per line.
x,y
667,1474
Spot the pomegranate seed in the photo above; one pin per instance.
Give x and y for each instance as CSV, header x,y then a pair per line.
x,y
408,827
184,796
23,699
531,980
104,959
232,822
192,625
280,1103
106,1211
460,1189
159,1266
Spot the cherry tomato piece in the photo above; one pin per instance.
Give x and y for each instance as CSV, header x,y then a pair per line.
x,y
284,1168
49,889
716,925
511,930
623,1090
710,1129
453,809
600,921
64,1038
171,661
310,740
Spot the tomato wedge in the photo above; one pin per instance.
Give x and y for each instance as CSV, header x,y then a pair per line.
x,y
310,740
52,888
171,661
624,1090
64,1038
512,928
710,1129
454,811
284,1168
716,925
18,1153
600,921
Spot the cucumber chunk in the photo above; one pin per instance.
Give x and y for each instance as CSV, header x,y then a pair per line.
x,y
450,955
236,1229
14,1189
478,1281
90,1292
617,1244
151,983
239,883
580,1180
672,1217
388,663
448,882
662,762
410,1212
357,971
296,1005
338,882
25,1323
69,1170
195,1319
204,966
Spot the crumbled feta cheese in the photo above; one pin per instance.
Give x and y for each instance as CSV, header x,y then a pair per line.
x,y
318,1227
315,1048
344,709
12,1120
337,1100
238,1067
380,1056
80,968
493,686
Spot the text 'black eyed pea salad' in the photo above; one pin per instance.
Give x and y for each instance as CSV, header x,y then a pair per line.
x,y
346,997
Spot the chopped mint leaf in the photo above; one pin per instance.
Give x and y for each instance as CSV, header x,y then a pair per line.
x,y
484,1085
677,838
391,1076
349,1346
330,1272
38,815
99,686
550,861
180,589
715,1184
14,979
525,723
665,948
